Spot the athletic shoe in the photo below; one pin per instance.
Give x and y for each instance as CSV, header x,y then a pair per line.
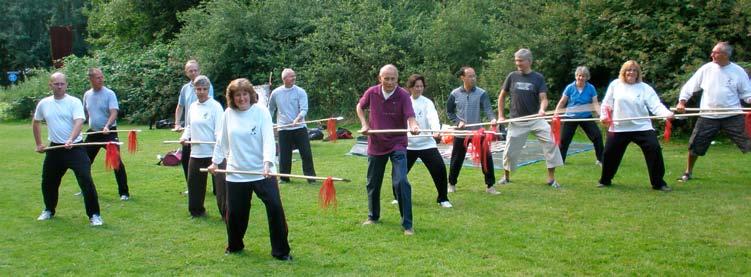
x,y
409,232
664,188
96,220
124,198
452,188
492,191
503,181
598,163
602,186
77,193
685,177
394,202
45,215
370,222
554,184
445,204
286,258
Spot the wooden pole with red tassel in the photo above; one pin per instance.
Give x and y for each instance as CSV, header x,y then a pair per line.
x,y
326,195
132,137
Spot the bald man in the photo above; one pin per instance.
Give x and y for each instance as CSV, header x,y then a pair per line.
x,y
64,116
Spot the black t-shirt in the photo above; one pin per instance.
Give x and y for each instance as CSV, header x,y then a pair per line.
x,y
525,92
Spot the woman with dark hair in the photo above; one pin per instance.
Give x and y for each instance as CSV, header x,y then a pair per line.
x,y
629,97
580,100
247,142
202,125
425,147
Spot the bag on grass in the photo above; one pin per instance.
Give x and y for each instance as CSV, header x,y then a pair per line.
x,y
172,158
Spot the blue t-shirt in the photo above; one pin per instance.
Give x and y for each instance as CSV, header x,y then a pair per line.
x,y
577,99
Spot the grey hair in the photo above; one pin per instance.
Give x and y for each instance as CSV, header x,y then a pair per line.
x,y
524,53
94,69
388,67
201,81
582,70
726,47
286,72
189,62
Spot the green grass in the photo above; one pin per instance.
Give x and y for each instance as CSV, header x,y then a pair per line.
x,y
701,228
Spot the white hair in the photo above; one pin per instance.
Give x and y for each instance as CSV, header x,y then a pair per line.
x,y
523,54
286,72
388,67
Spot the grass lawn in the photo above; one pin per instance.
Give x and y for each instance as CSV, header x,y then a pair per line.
x,y
701,228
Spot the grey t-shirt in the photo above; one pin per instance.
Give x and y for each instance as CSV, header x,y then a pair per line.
x,y
97,105
525,92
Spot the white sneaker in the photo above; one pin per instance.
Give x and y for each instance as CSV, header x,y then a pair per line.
x,y
77,193
503,181
554,184
598,163
185,192
452,188
96,220
446,204
124,198
492,191
394,202
45,215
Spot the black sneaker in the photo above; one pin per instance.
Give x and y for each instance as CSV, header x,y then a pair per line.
x,y
284,258
664,188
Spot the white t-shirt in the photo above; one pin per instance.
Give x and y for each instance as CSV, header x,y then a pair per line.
x,y
203,125
632,100
724,87
59,115
246,141
427,117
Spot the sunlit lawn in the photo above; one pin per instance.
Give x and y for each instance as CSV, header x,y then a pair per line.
x,y
702,227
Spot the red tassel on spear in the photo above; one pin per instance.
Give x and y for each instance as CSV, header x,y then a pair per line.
x,y
477,153
327,194
555,129
331,128
489,137
668,129
748,124
112,157
132,142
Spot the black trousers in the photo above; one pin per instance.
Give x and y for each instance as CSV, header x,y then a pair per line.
x,y
458,153
56,163
197,187
287,140
436,167
590,128
615,147
120,175
239,196
185,159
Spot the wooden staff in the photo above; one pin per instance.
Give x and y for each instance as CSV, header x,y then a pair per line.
x,y
651,117
712,109
309,121
190,142
111,131
81,144
276,174
517,119
455,132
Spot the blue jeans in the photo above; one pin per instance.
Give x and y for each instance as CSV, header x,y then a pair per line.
x,y
376,167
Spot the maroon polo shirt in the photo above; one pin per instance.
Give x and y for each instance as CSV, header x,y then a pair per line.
x,y
389,113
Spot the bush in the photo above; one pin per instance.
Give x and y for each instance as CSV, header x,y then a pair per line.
x,y
20,100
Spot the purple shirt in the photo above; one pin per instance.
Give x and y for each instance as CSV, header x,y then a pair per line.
x,y
389,113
